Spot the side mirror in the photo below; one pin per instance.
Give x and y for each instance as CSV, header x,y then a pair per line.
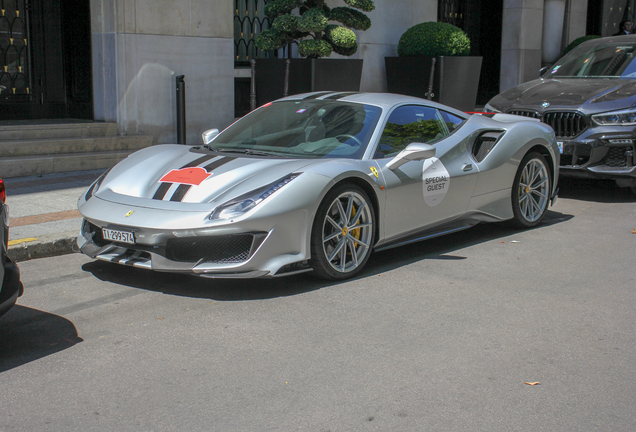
x,y
543,71
414,151
209,135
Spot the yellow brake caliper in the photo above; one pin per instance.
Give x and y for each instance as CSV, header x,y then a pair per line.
x,y
355,233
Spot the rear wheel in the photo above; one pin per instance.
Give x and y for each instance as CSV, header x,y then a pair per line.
x,y
531,191
343,233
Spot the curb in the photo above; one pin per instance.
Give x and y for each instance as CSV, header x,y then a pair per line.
x,y
45,246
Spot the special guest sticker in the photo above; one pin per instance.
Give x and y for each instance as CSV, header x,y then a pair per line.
x,y
436,181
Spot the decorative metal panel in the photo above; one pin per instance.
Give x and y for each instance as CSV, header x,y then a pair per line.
x,y
249,22
452,12
14,50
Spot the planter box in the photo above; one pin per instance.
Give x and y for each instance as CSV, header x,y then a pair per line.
x,y
455,83
305,75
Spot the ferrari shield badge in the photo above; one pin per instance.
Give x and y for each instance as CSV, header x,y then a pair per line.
x,y
374,171
129,213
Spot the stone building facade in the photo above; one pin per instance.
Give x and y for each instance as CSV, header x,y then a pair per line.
x,y
129,52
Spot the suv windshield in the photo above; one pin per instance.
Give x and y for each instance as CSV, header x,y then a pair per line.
x,y
302,129
606,60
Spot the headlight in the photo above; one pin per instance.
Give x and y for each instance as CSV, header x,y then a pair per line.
x,y
95,186
490,108
246,202
616,118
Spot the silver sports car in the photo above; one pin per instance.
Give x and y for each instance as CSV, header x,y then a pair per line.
x,y
316,182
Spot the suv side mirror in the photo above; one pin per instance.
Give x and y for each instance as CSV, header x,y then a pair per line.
x,y
209,135
414,151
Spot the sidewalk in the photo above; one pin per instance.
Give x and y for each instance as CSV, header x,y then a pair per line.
x,y
43,215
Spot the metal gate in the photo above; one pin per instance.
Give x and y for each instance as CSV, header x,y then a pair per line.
x,y
14,50
452,12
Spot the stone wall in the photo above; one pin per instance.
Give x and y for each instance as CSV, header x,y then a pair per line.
x,y
140,46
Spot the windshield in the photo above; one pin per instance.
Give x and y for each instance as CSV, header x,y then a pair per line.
x,y
302,129
605,60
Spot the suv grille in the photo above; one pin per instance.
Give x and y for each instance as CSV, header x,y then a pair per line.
x,y
224,249
565,124
532,114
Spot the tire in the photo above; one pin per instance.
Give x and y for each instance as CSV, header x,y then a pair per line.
x,y
338,249
531,191
633,189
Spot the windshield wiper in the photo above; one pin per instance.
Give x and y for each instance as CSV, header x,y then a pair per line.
x,y
250,152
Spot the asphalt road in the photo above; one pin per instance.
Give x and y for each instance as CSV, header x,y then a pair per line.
x,y
436,336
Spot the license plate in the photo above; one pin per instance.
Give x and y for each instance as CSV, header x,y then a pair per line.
x,y
118,236
560,145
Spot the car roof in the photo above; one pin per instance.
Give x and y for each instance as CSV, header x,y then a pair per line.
x,y
383,100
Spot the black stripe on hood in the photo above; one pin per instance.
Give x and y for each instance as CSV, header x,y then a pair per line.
x,y
183,189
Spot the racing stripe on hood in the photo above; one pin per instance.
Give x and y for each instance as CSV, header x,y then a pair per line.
x,y
163,188
183,189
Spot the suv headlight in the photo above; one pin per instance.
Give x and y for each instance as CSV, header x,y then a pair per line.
x,y
616,118
246,202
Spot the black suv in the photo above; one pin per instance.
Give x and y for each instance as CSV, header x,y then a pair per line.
x,y
589,99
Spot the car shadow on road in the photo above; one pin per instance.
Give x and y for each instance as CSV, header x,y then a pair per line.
x,y
201,287
260,289
601,191
30,334
444,247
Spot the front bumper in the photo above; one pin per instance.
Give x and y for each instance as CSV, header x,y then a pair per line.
x,y
12,288
269,246
600,155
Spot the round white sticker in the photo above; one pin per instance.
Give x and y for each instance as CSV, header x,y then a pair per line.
x,y
436,181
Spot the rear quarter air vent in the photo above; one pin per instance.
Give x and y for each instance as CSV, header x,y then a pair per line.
x,y
484,143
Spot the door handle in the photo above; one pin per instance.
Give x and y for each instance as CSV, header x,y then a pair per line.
x,y
467,167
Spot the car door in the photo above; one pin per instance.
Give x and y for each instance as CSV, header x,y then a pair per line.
x,y
420,194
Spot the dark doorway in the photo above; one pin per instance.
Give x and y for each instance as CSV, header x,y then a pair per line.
x,y
45,60
482,22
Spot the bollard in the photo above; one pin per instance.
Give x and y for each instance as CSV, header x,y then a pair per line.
x,y
253,86
181,110
430,95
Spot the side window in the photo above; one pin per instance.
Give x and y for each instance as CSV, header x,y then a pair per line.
x,y
452,121
408,124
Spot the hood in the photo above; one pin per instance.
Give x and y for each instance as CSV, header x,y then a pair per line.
x,y
169,176
591,95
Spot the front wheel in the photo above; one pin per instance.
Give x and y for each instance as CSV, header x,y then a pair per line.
x,y
343,233
531,191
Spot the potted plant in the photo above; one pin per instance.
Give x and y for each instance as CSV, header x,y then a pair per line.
x,y
310,25
455,78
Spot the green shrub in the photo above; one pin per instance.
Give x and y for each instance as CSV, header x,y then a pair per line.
x,y
310,27
433,39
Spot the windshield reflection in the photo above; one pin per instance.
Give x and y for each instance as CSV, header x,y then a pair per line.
x,y
601,60
302,129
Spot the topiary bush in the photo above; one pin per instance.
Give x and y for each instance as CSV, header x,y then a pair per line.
x,y
310,27
433,39
578,41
